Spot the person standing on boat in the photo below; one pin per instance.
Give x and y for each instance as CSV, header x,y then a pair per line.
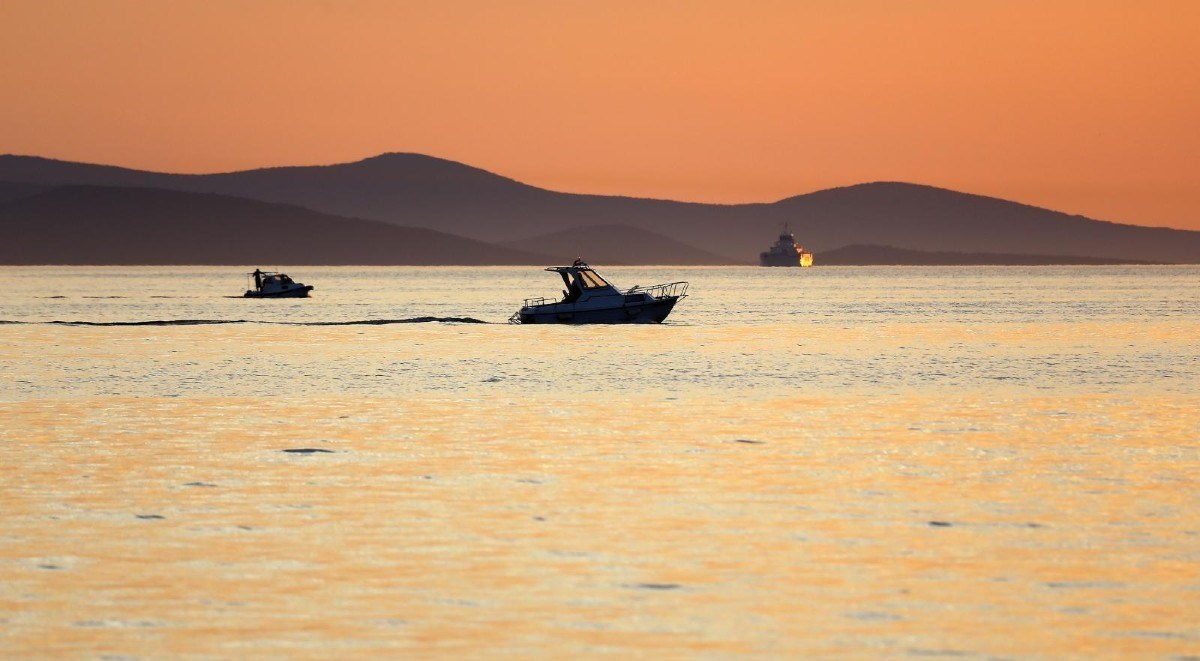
x,y
258,274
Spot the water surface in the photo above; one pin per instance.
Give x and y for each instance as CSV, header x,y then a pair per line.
x,y
880,462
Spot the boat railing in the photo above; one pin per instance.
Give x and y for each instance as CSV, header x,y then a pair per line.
x,y
668,290
675,289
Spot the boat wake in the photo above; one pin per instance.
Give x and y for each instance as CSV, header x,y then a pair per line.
x,y
213,322
384,322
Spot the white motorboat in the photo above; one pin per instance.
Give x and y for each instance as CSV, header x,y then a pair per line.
x,y
269,284
590,299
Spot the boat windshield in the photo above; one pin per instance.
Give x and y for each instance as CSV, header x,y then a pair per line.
x,y
591,280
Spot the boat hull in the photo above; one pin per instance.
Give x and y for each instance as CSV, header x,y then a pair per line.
x,y
651,312
294,292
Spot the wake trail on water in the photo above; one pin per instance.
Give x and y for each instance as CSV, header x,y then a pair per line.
x,y
214,322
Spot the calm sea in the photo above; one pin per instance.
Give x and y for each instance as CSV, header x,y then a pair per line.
x,y
865,462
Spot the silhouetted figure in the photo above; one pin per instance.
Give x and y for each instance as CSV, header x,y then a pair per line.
x,y
258,274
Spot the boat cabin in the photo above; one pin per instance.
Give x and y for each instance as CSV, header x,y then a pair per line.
x,y
581,279
264,284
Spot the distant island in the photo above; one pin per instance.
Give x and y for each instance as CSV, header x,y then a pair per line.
x,y
872,255
397,209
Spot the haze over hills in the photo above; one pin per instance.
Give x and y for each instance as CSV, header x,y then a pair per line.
x,y
13,191
618,244
123,226
867,255
422,191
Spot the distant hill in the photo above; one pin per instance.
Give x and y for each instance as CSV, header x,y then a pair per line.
x,y
617,244
862,255
932,219
406,189
12,191
422,191
111,225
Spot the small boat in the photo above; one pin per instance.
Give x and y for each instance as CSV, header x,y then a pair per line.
x,y
269,284
786,252
590,299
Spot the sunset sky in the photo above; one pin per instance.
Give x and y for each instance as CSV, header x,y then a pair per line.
x,y
1084,106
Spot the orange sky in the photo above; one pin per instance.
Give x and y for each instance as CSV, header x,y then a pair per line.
x,y
1085,106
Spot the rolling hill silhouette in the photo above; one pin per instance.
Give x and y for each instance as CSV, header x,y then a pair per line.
x,y
414,190
405,189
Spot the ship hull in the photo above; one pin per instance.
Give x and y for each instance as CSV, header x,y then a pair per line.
x,y
768,259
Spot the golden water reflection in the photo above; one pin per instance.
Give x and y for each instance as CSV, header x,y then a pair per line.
x,y
983,525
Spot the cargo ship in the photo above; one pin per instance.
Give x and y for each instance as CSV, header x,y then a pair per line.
x,y
786,252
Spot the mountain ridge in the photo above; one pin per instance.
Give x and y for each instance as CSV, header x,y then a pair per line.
x,y
417,190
